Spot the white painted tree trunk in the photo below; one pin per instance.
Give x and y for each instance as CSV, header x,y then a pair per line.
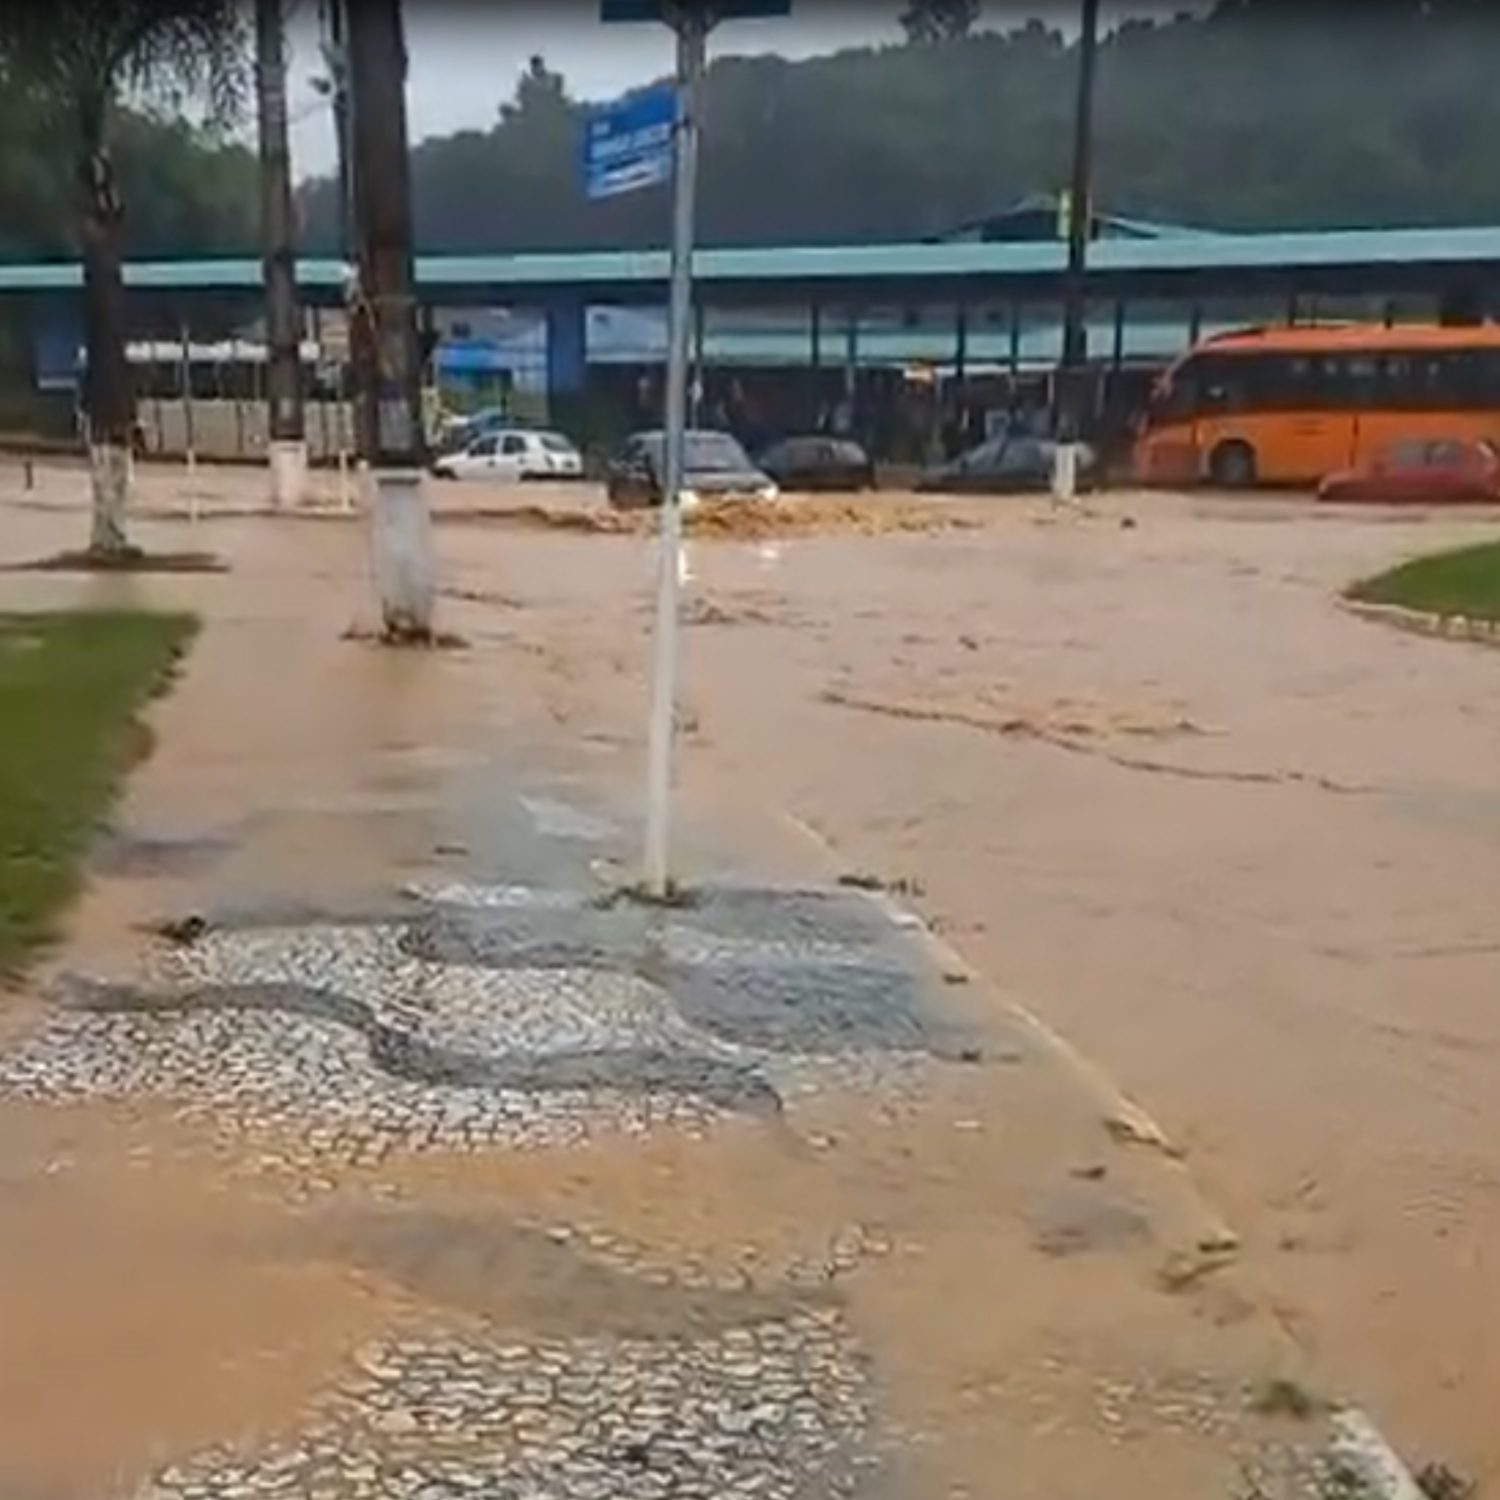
x,y
405,571
288,473
109,470
1065,473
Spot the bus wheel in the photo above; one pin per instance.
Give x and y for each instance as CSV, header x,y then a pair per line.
x,y
1232,466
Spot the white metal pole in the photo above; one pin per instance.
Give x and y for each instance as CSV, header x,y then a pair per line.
x,y
346,503
692,51
188,437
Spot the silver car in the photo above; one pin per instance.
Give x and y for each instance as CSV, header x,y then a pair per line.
x,y
1006,465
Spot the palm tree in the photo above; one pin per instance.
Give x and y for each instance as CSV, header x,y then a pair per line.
x,y
75,62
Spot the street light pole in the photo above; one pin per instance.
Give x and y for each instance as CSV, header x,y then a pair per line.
x,y
1080,229
692,23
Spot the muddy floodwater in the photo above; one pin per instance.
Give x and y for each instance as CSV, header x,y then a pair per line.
x,y
1237,847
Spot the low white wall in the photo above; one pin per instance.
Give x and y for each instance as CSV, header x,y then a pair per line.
x,y
238,429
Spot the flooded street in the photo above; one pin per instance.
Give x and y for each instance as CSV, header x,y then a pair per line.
x,y
1235,845
1229,845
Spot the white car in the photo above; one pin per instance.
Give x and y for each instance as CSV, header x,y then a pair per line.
x,y
509,454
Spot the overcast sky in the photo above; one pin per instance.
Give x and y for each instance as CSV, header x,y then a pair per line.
x,y
465,57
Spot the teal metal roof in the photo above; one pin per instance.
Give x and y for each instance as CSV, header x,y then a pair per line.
x,y
1363,247
832,263
991,228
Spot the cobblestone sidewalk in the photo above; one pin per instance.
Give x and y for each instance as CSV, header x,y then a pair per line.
x,y
505,1017
541,1014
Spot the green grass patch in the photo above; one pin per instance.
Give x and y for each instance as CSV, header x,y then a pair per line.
x,y
1462,582
71,686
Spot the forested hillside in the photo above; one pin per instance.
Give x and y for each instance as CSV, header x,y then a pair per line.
x,y
1259,114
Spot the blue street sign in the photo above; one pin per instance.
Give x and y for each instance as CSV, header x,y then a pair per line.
x,y
628,144
719,10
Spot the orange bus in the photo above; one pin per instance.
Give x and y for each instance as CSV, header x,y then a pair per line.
x,y
1291,405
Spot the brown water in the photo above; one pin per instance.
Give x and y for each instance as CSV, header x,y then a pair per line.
x,y
1234,845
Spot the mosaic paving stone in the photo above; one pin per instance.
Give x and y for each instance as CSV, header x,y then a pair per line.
x,y
532,938
531,1011
513,933
803,1008
509,1021
849,918
777,1411
763,914
477,895
306,1079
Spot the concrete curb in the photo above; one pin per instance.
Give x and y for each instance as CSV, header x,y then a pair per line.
x,y
1359,1445
1421,622
1121,1116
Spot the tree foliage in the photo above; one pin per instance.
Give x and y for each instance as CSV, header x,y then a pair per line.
x,y
65,73
926,21
1258,114
189,189
69,66
73,63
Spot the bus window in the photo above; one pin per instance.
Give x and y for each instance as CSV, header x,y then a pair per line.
x,y
1176,396
1415,382
1308,383
1487,377
1221,385
1359,381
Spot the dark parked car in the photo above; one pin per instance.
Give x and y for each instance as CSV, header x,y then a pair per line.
x,y
819,463
1008,464
714,466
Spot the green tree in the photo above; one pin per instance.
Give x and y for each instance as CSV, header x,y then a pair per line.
x,y
1390,121
191,190
939,20
72,64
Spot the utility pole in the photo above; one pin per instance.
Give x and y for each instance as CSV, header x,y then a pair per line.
x,y
1071,392
388,383
287,450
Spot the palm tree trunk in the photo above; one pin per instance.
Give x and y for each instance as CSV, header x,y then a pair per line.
x,y
108,400
385,325
287,449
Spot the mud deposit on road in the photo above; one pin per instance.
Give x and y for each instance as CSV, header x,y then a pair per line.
x,y
752,520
